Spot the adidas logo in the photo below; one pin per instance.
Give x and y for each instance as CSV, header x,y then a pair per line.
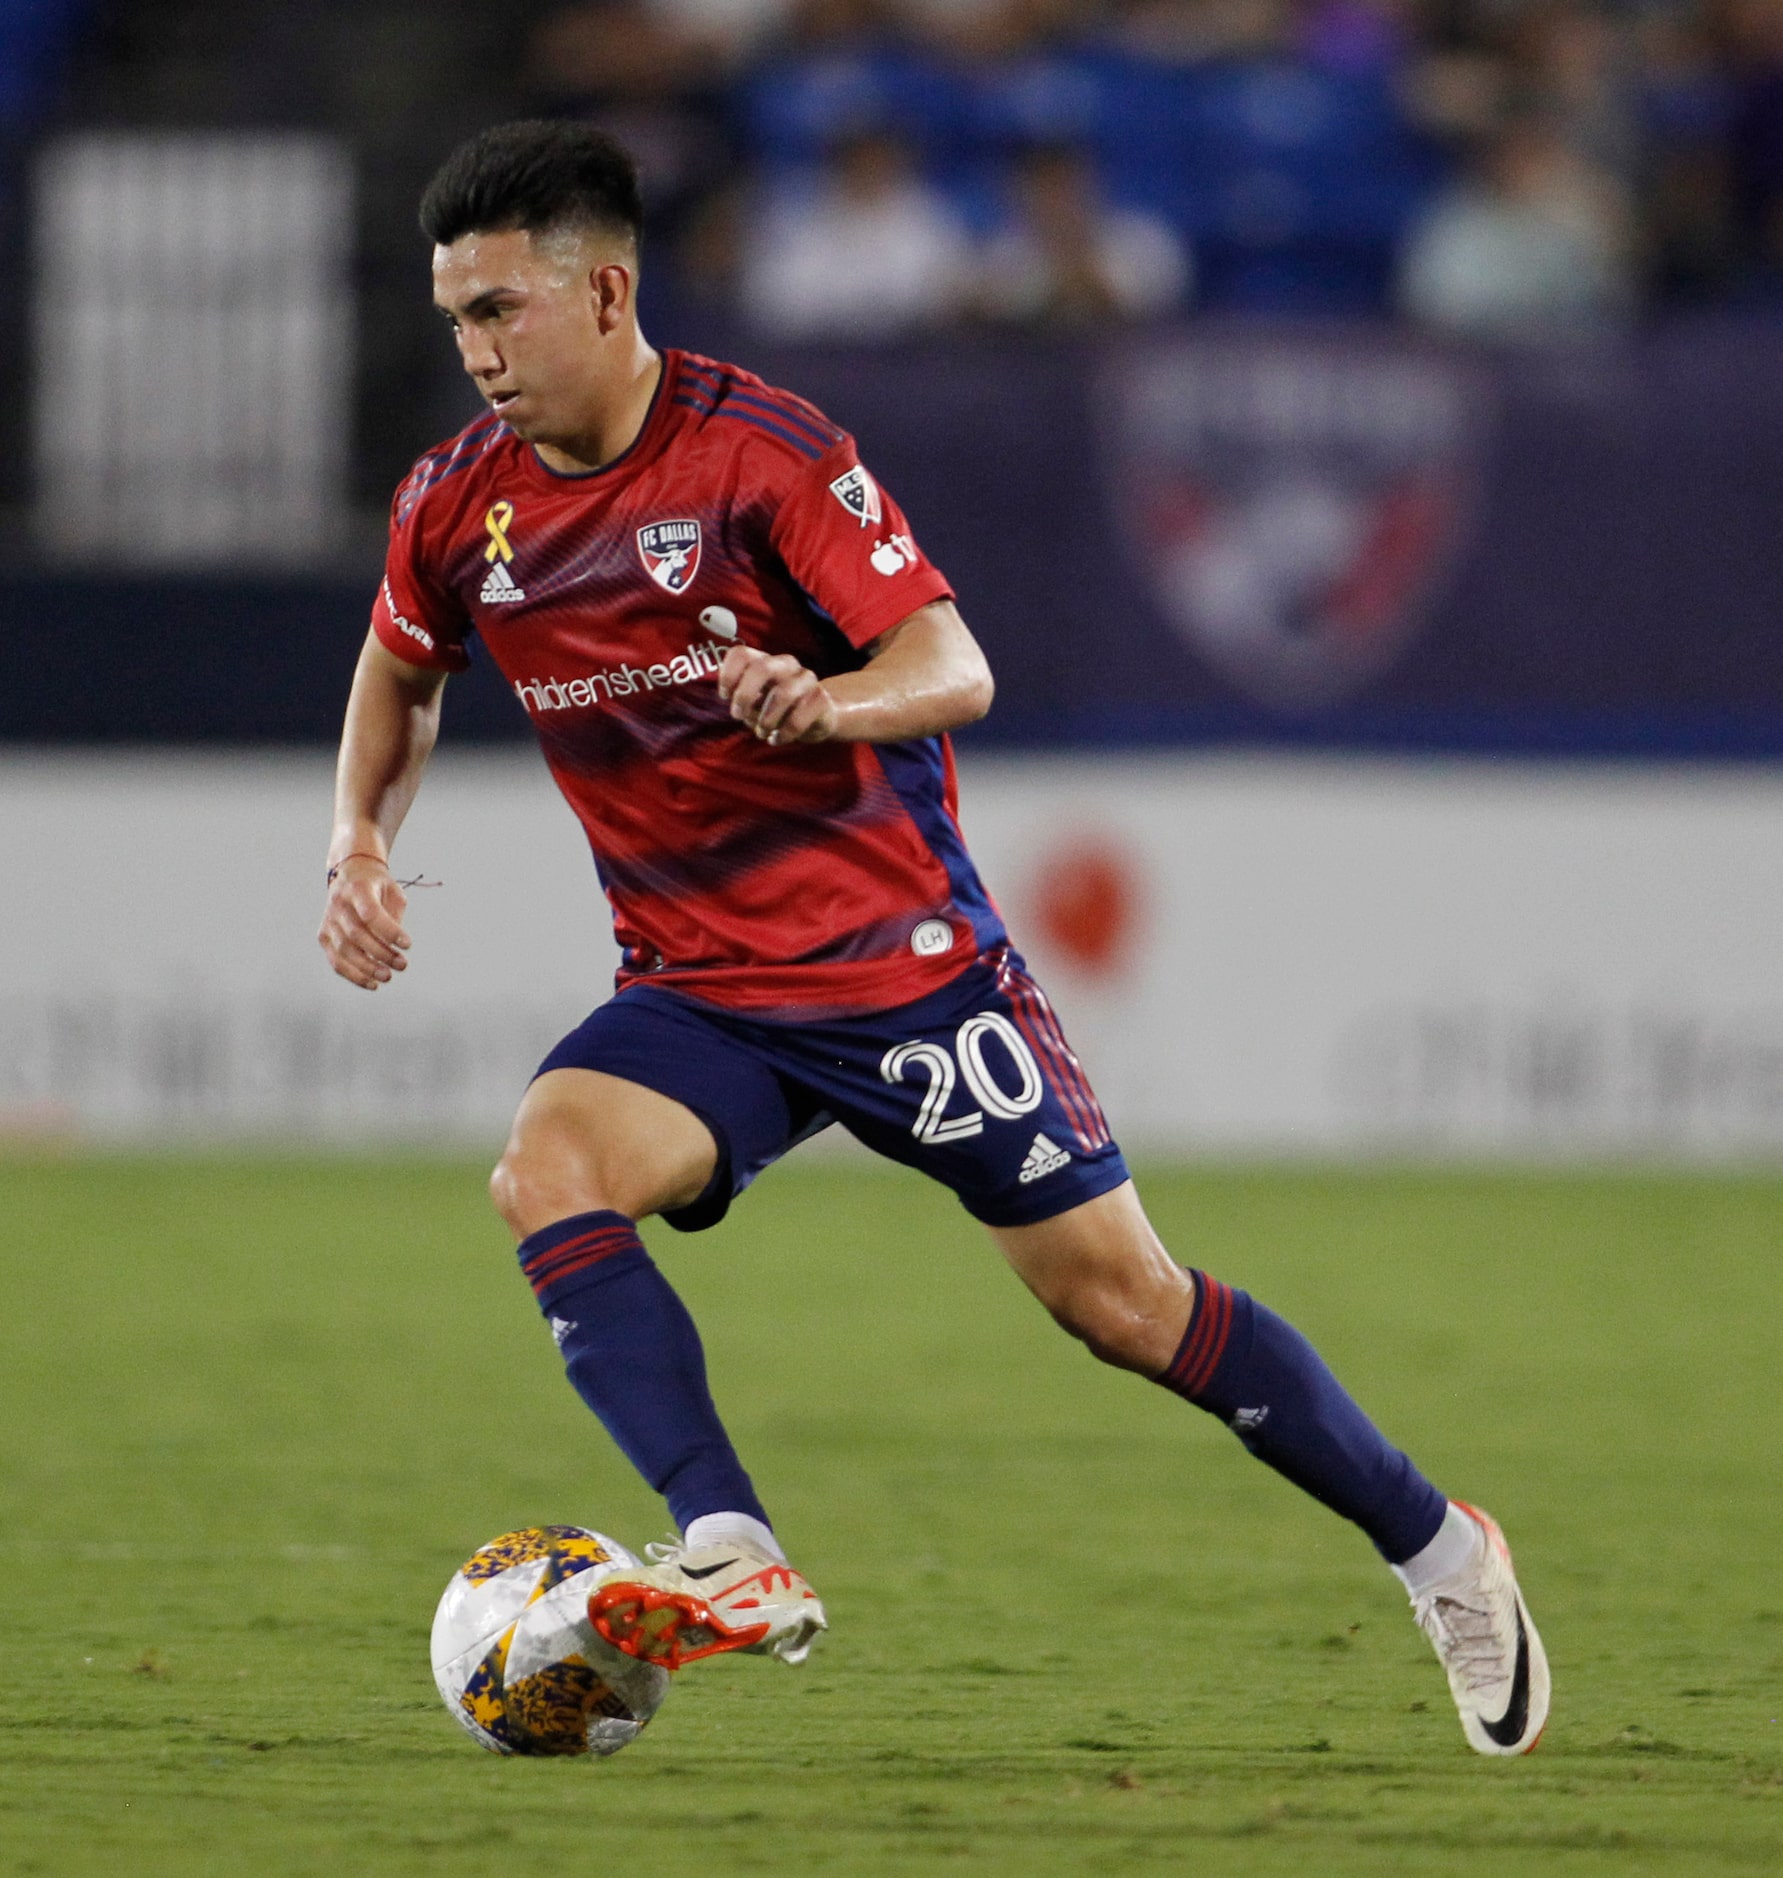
x,y
560,1328
501,586
1044,1157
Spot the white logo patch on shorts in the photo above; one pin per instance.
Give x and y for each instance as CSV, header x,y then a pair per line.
x,y
1044,1157
931,938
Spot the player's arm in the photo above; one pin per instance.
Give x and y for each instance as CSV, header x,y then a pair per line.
x,y
925,676
393,717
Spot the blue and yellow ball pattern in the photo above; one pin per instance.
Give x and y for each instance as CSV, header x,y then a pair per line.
x,y
517,1663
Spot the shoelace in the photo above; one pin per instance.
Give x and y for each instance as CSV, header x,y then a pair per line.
x,y
665,1551
1466,1639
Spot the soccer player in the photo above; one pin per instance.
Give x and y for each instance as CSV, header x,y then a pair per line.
x,y
743,669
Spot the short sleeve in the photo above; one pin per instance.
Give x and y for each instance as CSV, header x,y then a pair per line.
x,y
413,615
847,544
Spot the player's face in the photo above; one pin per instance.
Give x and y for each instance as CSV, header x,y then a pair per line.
x,y
531,315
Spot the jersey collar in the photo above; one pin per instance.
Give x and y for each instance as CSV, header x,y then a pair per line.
x,y
641,448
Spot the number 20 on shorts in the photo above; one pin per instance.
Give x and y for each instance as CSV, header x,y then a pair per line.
x,y
936,1062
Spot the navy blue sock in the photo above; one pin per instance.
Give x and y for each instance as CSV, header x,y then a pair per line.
x,y
636,1359
1263,1379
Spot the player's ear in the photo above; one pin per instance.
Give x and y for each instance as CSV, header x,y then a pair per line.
x,y
611,285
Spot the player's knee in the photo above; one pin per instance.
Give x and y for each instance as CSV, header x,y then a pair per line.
x,y
1106,1322
537,1182
1128,1316
511,1190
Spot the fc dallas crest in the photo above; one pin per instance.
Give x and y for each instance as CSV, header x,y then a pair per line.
x,y
670,552
1295,502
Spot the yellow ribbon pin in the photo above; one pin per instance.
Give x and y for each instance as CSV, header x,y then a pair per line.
x,y
497,521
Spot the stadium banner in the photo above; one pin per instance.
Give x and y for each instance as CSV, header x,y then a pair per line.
x,y
1316,538
1253,955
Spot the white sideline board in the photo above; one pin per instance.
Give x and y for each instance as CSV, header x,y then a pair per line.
x,y
1328,956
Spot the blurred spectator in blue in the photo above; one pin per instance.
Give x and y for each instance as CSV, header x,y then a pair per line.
x,y
865,249
647,77
1533,243
841,64
1036,80
1276,137
1066,256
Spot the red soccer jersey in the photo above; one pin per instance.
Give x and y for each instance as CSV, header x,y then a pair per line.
x,y
783,881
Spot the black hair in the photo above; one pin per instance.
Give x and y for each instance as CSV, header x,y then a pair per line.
x,y
534,175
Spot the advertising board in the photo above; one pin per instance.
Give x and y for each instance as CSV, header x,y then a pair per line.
x,y
1252,955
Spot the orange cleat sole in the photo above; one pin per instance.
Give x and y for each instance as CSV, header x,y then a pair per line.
x,y
667,1628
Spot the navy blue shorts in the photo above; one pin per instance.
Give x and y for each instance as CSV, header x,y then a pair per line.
x,y
975,1085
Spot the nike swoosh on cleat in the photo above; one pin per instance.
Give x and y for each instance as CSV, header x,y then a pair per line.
x,y
1508,1729
724,1565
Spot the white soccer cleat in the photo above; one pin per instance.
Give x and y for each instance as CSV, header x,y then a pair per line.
x,y
694,1602
1485,1638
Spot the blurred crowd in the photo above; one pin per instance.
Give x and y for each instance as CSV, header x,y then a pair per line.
x,y
873,168
877,169
1499,168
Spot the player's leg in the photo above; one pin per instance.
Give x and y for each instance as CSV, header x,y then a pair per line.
x,y
1101,1271
978,1087
593,1150
591,1154
1105,1277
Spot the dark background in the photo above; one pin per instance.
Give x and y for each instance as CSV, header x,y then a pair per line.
x,y
1617,590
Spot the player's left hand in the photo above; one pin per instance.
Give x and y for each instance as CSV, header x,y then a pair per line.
x,y
777,697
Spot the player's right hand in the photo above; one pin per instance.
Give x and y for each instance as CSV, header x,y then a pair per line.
x,y
362,931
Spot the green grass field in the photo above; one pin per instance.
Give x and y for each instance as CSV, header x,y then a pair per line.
x,y
255,1413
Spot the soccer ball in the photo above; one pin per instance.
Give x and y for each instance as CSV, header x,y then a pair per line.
x,y
517,1662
